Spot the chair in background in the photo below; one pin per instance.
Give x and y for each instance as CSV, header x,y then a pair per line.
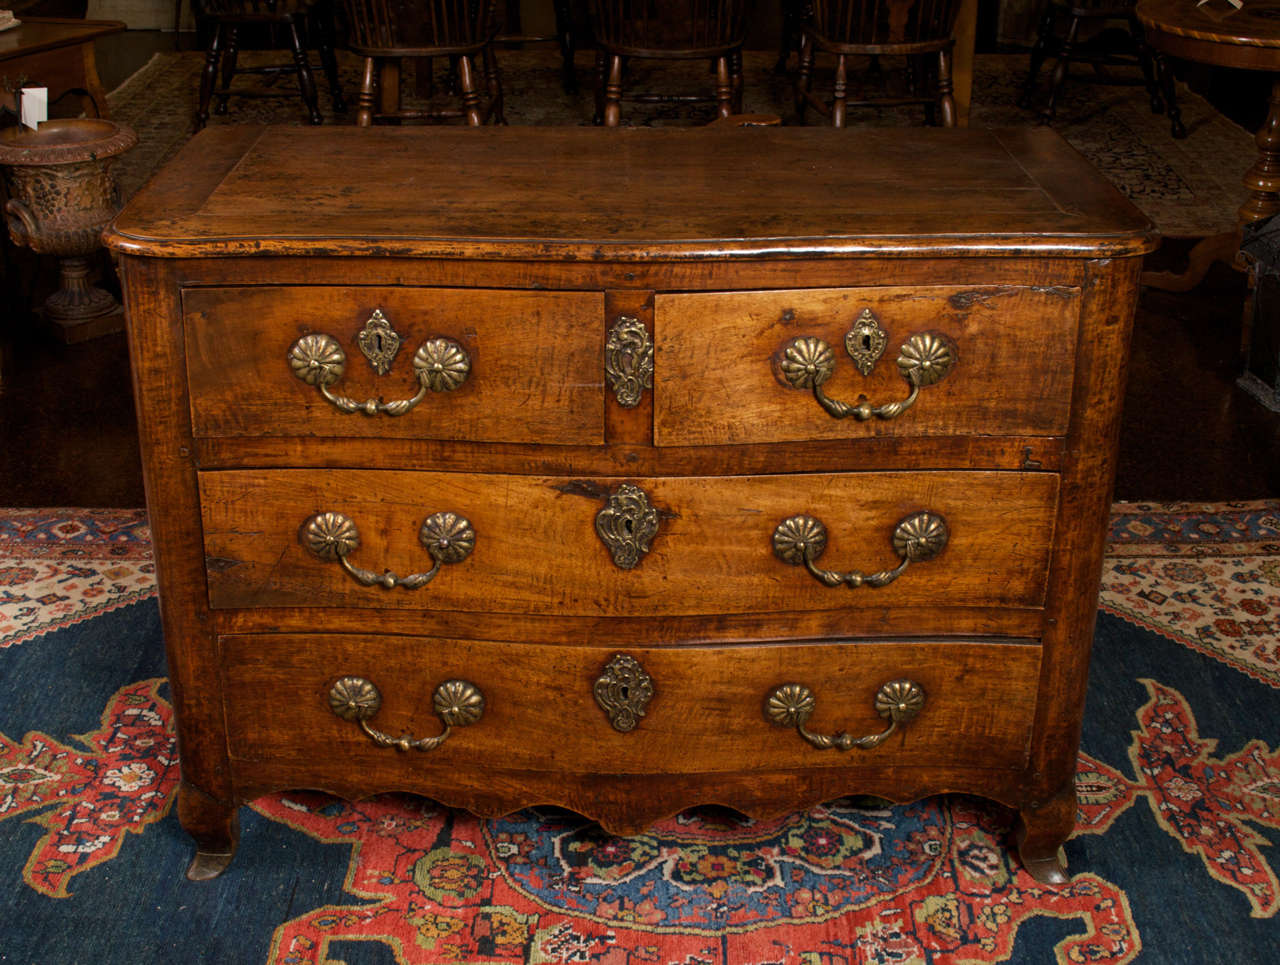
x,y
301,22
385,32
679,30
921,31
1121,45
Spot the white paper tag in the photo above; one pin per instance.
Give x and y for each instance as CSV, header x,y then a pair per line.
x,y
35,106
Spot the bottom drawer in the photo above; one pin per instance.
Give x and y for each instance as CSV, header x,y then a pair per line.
x,y
708,710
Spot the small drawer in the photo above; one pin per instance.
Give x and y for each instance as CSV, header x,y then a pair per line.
x,y
1002,357
533,707
510,366
641,547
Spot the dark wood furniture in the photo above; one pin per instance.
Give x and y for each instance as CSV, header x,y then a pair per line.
x,y
385,32
569,548
922,31
1109,47
1245,39
59,55
300,22
626,30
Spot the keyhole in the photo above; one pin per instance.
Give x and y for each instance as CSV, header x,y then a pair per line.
x,y
866,342
629,526
625,691
378,347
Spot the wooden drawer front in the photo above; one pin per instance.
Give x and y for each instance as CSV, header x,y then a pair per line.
x,y
537,549
540,713
718,373
536,363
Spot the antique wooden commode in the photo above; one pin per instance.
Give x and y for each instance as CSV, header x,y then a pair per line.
x,y
629,470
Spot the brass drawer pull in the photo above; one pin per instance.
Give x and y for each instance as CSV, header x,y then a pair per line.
x,y
456,702
448,537
440,364
791,705
802,539
924,359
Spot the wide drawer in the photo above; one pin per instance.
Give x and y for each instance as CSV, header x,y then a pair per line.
x,y
533,363
537,546
721,374
707,708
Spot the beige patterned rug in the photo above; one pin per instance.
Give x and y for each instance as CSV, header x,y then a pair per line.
x,y
1190,187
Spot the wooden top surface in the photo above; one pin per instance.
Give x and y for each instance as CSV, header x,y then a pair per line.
x,y
36,33
1256,24
630,194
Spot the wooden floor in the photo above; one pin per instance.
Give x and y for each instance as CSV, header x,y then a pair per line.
x,y
67,434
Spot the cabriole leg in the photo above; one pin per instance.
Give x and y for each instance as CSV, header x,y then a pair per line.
x,y
1042,831
215,826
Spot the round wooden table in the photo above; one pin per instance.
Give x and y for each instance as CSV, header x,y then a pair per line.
x,y
1220,35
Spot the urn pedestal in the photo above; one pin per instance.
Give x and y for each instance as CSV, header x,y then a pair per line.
x,y
61,196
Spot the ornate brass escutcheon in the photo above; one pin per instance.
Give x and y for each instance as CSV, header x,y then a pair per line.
x,y
865,341
924,359
623,691
791,705
800,540
440,365
457,703
379,342
627,525
330,536
628,360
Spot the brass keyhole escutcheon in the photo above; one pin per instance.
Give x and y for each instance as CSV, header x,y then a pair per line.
x,y
623,691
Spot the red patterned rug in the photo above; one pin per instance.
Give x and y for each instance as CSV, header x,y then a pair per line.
x,y
1174,854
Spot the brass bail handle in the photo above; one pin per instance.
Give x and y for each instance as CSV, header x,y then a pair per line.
x,y
801,540
924,359
791,705
440,365
458,703
330,537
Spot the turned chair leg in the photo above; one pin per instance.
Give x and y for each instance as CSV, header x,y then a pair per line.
x,y
1039,50
804,79
1165,72
1147,64
470,96
946,95
230,55
493,84
306,82
613,91
840,93
367,95
1060,70
724,88
208,75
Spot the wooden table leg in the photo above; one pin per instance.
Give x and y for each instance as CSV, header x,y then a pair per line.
x,y
1263,182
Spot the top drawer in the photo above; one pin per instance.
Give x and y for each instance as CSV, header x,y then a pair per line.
x,y
721,374
533,363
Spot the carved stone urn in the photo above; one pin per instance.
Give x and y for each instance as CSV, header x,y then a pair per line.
x,y
61,196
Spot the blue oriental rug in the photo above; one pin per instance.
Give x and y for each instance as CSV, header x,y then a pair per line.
x,y
1174,859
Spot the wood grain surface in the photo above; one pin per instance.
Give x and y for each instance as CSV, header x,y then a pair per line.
x,y
718,380
537,550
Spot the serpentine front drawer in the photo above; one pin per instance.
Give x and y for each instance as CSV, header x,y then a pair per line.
x,y
744,367
680,545
443,363
527,706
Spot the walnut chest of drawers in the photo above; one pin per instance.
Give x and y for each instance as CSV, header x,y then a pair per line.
x,y
629,470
